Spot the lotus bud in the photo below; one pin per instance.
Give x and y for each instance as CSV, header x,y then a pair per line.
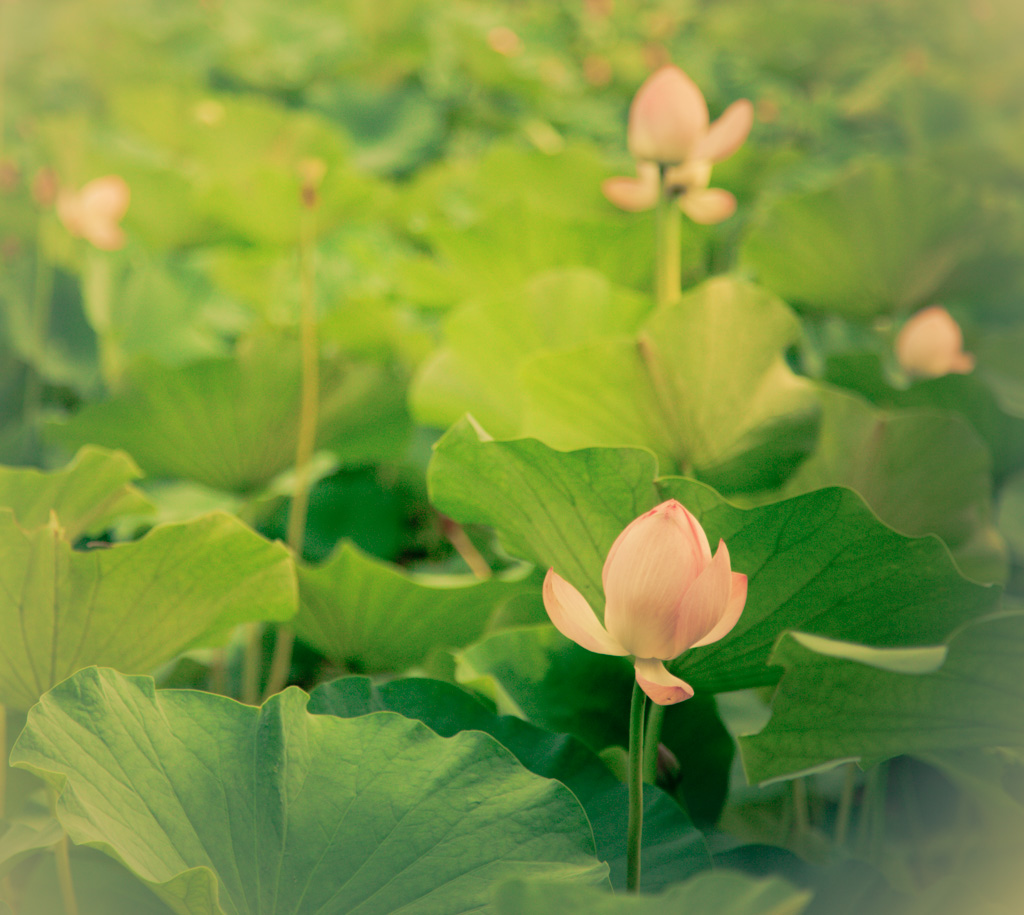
x,y
664,593
667,119
94,212
931,345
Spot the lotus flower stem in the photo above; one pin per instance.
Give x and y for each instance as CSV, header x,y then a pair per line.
x,y
97,289
42,295
801,815
4,756
652,739
309,410
636,788
668,271
63,861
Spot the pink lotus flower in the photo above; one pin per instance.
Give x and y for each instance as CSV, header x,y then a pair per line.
x,y
664,594
931,344
670,132
95,211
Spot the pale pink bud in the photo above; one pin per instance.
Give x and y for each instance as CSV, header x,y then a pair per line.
x,y
664,593
668,117
931,344
94,212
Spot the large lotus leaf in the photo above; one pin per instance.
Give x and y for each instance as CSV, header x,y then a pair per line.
x,y
820,562
999,364
489,339
922,473
535,497
705,387
87,494
722,893
840,701
132,606
881,237
247,810
672,847
231,422
366,614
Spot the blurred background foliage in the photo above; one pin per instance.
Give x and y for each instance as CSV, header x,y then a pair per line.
x,y
461,245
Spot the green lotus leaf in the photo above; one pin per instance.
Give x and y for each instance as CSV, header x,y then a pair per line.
x,y
231,422
881,237
247,810
839,701
87,494
672,847
366,614
704,386
922,472
134,605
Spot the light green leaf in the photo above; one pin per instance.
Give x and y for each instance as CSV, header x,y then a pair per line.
x,y
881,237
922,472
536,497
672,847
87,494
721,893
705,386
366,614
489,340
276,810
839,701
132,606
231,423
820,563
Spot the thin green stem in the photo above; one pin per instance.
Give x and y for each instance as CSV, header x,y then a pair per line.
x,y
636,789
3,761
63,860
668,268
251,664
309,408
801,814
652,740
42,294
845,805
97,293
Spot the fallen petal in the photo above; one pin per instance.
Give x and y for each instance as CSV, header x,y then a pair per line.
x,y
728,133
659,684
575,618
709,206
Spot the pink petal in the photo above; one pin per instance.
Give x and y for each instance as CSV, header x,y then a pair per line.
x,y
668,117
574,618
728,133
634,194
709,206
649,568
659,684
733,609
106,198
704,604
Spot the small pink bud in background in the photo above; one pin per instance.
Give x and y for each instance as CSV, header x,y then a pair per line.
x,y
931,345
94,212
664,594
